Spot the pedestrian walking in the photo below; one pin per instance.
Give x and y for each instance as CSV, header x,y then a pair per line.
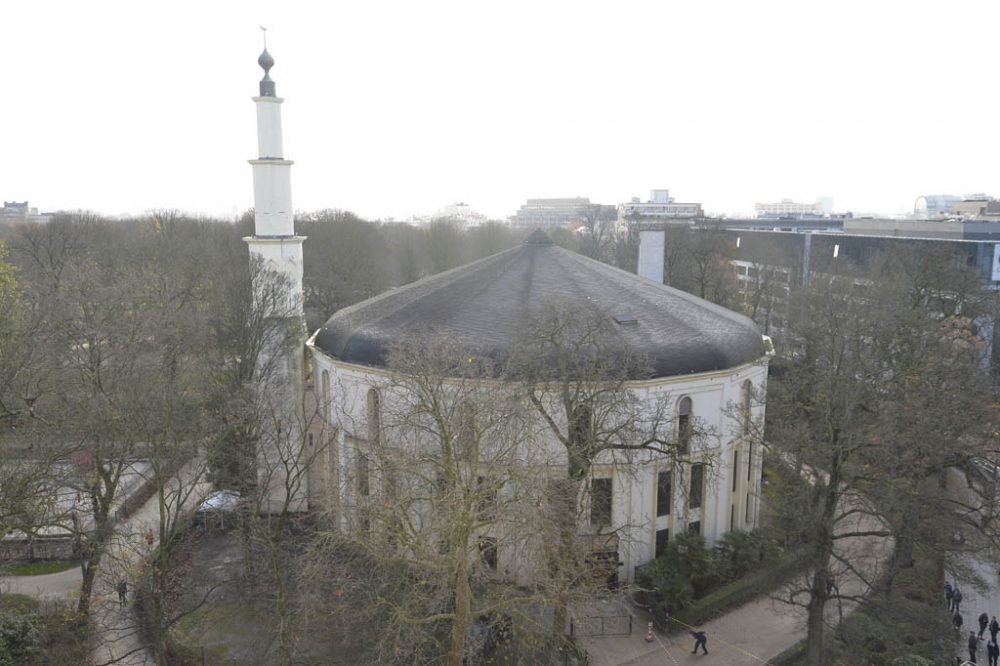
x,y
994,629
956,599
956,619
973,646
993,653
700,639
122,588
984,621
948,593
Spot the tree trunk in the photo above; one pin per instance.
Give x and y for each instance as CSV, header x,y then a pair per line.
x,y
566,522
93,561
281,606
823,544
463,612
815,623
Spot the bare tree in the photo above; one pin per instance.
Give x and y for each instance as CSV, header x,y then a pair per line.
x,y
598,232
439,499
885,395
577,378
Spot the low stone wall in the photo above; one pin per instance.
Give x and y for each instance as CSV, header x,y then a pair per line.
x,y
42,548
60,547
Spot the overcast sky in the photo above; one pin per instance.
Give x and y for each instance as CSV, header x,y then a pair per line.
x,y
399,108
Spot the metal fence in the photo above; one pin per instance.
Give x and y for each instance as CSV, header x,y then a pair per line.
x,y
602,625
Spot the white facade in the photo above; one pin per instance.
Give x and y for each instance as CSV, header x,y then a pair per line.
x,y
787,207
723,405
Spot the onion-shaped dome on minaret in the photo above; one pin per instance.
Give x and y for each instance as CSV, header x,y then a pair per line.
x,y
266,62
482,305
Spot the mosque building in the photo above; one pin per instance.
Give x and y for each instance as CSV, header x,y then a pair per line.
x,y
706,364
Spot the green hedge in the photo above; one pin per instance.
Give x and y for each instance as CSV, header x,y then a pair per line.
x,y
742,590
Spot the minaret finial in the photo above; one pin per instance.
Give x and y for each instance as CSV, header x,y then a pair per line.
x,y
266,62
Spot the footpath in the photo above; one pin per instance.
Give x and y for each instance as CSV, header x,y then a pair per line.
x,y
117,630
979,582
753,633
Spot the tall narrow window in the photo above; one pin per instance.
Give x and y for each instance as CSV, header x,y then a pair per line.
x,y
697,486
747,517
750,462
736,469
466,441
364,489
326,396
580,427
488,551
662,539
374,417
486,498
684,425
600,502
745,407
663,490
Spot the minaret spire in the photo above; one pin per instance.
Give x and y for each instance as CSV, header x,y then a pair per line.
x,y
266,62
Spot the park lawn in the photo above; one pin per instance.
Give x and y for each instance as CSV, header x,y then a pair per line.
x,y
17,602
36,568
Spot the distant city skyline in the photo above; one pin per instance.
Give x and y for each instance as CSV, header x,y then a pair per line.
x,y
395,109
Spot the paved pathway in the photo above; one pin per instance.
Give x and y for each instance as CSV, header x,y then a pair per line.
x,y
118,637
749,635
62,586
974,601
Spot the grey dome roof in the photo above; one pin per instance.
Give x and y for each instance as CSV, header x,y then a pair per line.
x,y
485,303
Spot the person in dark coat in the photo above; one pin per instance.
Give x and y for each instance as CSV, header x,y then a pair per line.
x,y
973,646
956,599
948,593
984,621
993,653
122,589
956,619
994,629
700,639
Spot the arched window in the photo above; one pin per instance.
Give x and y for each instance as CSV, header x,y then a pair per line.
x,y
684,425
745,407
374,417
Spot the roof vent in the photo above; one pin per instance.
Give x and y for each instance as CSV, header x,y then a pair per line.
x,y
625,320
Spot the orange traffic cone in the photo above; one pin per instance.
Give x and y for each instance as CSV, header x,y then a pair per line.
x,y
649,632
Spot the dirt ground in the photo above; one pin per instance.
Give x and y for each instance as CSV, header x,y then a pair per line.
x,y
231,618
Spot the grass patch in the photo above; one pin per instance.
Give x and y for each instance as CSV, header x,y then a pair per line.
x,y
36,568
18,602
212,629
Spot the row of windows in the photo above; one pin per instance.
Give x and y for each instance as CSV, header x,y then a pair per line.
x,y
601,494
601,490
684,413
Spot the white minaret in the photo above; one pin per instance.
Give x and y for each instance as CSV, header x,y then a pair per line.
x,y
274,238
276,253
